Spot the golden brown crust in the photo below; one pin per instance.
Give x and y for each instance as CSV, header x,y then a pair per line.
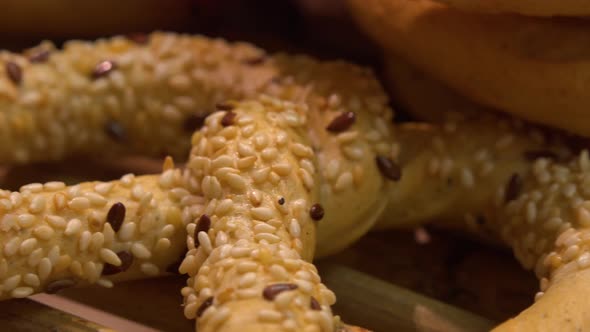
x,y
532,68
423,98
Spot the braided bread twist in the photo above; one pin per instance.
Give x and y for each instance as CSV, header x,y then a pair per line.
x,y
319,134
247,190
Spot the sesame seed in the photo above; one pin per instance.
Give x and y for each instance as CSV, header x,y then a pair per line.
x,y
11,283
26,220
228,119
271,291
239,252
126,260
262,213
91,271
11,247
43,232
140,251
27,246
116,216
268,237
105,283
388,168
109,256
14,72
37,204
85,240
103,68
343,182
205,242
79,203
247,280
342,122
45,267
316,212
269,315
127,231
162,245
21,292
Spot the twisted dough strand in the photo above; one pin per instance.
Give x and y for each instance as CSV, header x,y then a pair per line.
x,y
151,96
247,145
516,186
55,236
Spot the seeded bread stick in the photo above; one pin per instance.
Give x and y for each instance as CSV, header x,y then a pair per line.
x,y
143,95
147,95
548,230
248,256
448,160
534,200
55,236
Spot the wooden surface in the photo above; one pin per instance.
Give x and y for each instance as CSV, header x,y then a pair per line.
x,y
25,315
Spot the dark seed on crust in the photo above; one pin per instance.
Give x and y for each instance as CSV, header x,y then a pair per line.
x,y
253,61
126,261
194,122
138,37
389,168
224,106
14,72
271,291
533,155
281,201
228,119
342,122
55,286
204,306
115,131
513,188
316,212
314,304
116,215
203,225
103,68
39,56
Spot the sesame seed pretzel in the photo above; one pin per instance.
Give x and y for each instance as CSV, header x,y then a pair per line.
x,y
250,191
499,178
252,171
520,189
